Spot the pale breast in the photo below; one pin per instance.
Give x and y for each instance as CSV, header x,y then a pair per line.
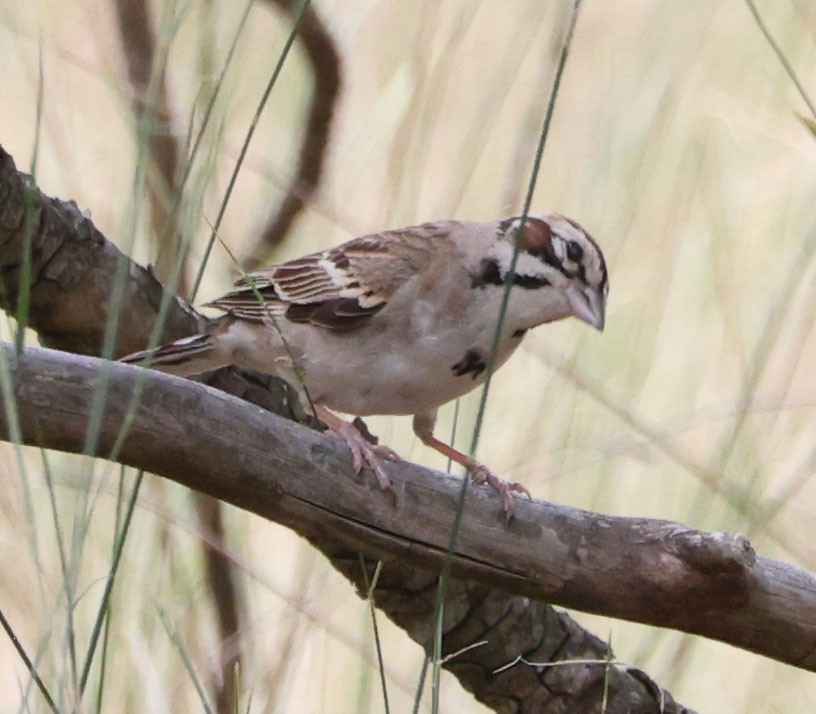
x,y
412,365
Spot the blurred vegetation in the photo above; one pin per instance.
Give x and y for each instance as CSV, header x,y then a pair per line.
x,y
678,141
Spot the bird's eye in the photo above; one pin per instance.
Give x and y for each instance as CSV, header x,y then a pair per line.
x,y
574,251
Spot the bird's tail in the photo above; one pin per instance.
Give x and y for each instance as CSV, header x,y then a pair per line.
x,y
184,357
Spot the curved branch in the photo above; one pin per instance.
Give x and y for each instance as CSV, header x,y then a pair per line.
x,y
651,571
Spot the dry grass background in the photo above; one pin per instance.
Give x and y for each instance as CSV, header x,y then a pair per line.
x,y
675,142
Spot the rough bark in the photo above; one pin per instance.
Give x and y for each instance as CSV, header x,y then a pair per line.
x,y
212,442
651,571
73,275
303,479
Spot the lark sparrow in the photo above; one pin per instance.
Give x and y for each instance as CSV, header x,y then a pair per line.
x,y
400,322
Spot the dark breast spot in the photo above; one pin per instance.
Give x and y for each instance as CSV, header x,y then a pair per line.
x,y
518,334
471,363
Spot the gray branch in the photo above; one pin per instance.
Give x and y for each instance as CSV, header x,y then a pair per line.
x,y
651,571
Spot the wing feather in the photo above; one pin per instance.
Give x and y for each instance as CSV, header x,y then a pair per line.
x,y
338,289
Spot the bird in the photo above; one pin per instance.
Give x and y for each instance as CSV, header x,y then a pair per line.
x,y
401,322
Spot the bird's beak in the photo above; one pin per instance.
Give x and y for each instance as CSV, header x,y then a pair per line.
x,y
588,305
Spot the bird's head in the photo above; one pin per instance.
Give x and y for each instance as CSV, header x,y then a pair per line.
x,y
560,270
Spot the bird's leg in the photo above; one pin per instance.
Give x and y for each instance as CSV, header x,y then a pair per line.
x,y
478,472
362,451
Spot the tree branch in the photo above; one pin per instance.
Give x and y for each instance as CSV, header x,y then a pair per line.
x,y
644,570
213,443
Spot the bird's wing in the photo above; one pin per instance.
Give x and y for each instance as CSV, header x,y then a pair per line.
x,y
338,289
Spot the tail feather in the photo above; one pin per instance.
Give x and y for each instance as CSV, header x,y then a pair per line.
x,y
184,357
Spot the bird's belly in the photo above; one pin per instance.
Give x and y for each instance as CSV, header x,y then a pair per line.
x,y
393,390
386,379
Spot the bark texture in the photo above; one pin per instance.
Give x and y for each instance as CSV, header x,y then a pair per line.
x,y
651,571
214,443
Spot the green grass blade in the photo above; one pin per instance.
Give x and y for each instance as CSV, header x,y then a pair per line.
x,y
104,604
4,623
188,665
370,587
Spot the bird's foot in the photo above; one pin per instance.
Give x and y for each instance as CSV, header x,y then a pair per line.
x,y
362,450
373,455
480,474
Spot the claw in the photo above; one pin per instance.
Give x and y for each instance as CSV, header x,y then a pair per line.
x,y
362,452
480,474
